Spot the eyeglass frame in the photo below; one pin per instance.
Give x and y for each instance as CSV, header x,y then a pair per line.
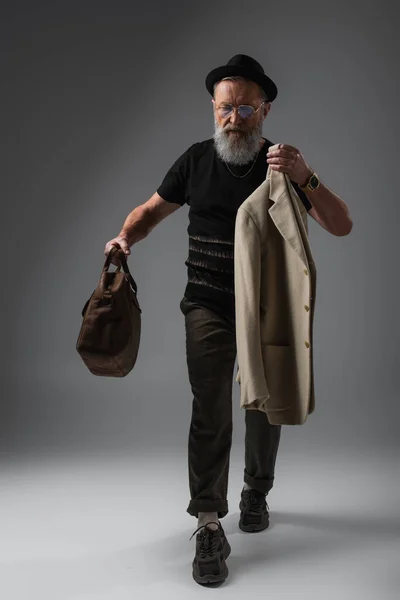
x,y
236,108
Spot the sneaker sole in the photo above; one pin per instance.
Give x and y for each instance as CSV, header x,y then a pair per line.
x,y
203,580
253,528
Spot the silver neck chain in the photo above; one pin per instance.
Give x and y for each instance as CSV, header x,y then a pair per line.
x,y
241,176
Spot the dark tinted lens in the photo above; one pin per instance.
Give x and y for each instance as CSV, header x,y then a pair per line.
x,y
225,110
245,111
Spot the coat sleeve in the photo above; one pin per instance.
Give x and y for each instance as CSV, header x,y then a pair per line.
x,y
247,268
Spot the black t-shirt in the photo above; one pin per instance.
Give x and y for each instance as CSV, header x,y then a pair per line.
x,y
202,180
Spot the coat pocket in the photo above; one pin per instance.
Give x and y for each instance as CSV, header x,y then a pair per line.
x,y
279,375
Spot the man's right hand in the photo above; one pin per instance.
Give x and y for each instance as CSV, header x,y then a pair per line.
x,y
122,241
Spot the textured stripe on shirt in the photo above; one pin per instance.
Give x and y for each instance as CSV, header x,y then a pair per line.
x,y
210,263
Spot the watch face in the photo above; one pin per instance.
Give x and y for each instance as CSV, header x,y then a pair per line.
x,y
313,182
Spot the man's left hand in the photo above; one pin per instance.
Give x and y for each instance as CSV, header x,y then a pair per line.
x,y
287,159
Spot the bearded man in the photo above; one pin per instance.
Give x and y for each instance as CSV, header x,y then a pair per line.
x,y
214,177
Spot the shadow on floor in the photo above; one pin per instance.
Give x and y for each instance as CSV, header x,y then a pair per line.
x,y
322,536
292,541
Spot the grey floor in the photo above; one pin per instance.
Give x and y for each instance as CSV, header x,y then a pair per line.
x,y
116,528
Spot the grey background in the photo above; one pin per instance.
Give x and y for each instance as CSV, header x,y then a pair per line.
x,y
99,99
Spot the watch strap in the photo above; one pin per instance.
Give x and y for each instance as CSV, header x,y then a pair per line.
x,y
307,186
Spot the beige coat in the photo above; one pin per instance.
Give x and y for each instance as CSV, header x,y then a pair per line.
x,y
275,286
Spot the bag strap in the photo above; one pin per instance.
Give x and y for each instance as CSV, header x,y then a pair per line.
x,y
121,255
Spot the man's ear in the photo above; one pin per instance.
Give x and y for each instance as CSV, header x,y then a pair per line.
x,y
267,108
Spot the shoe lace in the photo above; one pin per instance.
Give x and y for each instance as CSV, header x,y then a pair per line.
x,y
208,540
253,501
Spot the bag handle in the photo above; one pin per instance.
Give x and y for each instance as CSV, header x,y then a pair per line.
x,y
114,249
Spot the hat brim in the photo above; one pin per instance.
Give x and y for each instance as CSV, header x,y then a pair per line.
x,y
264,81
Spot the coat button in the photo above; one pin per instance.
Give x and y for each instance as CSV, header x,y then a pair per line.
x,y
307,344
305,271
306,307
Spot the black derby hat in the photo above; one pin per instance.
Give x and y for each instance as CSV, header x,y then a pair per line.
x,y
247,67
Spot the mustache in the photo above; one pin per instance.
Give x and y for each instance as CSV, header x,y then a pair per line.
x,y
234,129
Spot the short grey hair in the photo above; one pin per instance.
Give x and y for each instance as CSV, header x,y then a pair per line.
x,y
239,78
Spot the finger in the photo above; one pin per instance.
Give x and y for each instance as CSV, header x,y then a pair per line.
x,y
285,147
125,247
283,153
279,161
288,148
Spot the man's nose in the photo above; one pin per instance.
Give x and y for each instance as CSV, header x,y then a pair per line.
x,y
235,117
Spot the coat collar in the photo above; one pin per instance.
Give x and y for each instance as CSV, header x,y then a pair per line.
x,y
285,212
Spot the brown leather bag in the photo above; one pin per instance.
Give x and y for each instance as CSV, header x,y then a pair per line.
x,y
109,337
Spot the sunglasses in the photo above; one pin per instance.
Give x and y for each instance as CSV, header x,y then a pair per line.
x,y
244,110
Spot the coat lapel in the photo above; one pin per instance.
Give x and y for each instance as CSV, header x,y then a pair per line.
x,y
283,213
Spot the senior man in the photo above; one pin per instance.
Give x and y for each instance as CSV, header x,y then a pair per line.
x,y
214,177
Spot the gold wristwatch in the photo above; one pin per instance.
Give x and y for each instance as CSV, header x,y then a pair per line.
x,y
311,184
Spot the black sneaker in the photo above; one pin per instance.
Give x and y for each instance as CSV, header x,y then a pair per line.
x,y
254,514
212,548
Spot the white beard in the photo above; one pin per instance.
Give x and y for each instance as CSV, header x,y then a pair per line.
x,y
237,148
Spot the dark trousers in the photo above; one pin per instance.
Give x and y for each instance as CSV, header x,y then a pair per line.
x,y
211,355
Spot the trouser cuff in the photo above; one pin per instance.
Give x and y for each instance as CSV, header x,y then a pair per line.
x,y
261,485
218,506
